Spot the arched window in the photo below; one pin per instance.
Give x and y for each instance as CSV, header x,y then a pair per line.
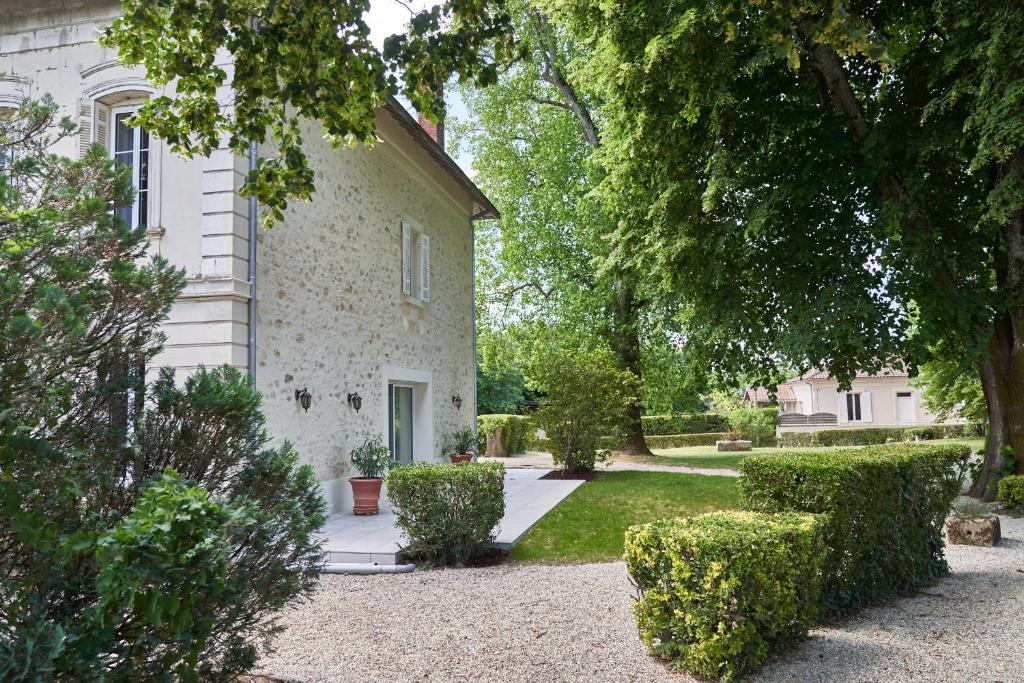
x,y
104,112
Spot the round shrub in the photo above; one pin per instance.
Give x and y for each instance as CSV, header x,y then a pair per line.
x,y
448,512
719,593
1011,492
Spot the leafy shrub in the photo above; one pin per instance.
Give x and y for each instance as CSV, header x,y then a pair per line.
x,y
1011,492
147,532
755,424
588,398
448,512
684,440
885,507
697,423
372,459
460,443
971,509
872,436
518,432
721,592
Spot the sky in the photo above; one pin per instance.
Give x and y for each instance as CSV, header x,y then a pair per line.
x,y
387,17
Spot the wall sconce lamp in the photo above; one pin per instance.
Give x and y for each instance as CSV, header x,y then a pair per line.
x,y
457,400
355,400
304,398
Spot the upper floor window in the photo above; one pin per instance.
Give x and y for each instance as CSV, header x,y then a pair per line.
x,y
415,262
129,146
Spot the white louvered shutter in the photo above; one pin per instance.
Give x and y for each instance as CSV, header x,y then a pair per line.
x,y
841,413
102,125
865,406
84,126
424,267
406,259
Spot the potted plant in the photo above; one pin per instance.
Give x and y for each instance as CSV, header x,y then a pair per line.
x,y
462,446
372,460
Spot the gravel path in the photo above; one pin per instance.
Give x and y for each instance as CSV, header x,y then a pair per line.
x,y
543,461
533,623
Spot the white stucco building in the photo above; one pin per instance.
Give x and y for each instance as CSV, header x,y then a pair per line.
x,y
366,290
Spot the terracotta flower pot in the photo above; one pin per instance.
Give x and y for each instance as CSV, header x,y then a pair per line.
x,y
461,457
366,491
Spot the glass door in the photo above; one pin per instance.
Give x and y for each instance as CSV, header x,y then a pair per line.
x,y
400,423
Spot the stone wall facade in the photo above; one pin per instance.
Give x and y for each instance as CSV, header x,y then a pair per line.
x,y
331,315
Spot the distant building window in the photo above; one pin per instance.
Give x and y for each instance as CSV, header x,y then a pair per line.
x,y
853,412
129,146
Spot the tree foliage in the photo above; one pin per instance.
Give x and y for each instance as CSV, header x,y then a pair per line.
x,y
283,61
146,532
835,184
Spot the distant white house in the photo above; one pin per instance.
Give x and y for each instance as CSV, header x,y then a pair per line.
x,y
354,315
813,402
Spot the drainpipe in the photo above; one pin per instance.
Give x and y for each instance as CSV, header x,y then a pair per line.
x,y
253,153
472,303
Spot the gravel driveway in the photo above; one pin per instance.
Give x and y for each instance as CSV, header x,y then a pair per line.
x,y
617,464
537,624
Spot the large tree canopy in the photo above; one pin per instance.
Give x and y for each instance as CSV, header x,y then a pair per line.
x,y
286,60
836,183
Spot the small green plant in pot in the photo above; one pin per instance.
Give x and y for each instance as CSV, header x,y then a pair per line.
x,y
461,446
372,460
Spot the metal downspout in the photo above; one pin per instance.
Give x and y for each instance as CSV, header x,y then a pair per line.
x,y
472,303
253,223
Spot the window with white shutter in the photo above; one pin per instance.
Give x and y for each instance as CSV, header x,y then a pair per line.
x,y
415,262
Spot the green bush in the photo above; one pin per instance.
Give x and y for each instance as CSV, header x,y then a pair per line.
x,y
721,592
1011,492
587,405
884,505
755,424
448,512
684,440
518,432
697,423
873,436
795,439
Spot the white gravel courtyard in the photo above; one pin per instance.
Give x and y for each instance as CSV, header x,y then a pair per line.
x,y
535,623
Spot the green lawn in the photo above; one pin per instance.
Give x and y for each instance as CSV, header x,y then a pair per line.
x,y
589,525
707,456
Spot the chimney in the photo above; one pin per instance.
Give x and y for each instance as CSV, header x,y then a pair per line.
x,y
435,131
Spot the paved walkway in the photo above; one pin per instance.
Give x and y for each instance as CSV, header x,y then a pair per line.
x,y
375,539
543,460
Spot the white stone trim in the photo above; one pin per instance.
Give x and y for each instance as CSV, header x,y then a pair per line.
x,y
423,408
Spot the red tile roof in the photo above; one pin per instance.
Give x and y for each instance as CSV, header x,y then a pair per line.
x,y
822,374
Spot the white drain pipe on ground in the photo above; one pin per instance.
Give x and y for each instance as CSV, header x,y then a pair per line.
x,y
364,568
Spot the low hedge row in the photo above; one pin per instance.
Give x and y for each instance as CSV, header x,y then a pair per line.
x,y
871,436
697,423
884,509
721,592
518,431
1010,492
684,440
448,512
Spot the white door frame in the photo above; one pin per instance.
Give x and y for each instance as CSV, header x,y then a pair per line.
x,y
422,408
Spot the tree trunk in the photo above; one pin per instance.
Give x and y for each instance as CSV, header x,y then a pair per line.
x,y
625,342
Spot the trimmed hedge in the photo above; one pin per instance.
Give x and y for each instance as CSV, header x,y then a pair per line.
x,y
1011,492
684,440
721,592
872,436
448,512
518,431
755,424
885,508
697,423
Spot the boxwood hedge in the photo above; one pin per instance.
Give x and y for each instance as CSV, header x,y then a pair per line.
x,y
518,431
1011,492
448,512
697,423
721,592
883,508
869,436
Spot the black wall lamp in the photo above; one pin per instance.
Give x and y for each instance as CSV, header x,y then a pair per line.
x,y
355,400
457,400
304,398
